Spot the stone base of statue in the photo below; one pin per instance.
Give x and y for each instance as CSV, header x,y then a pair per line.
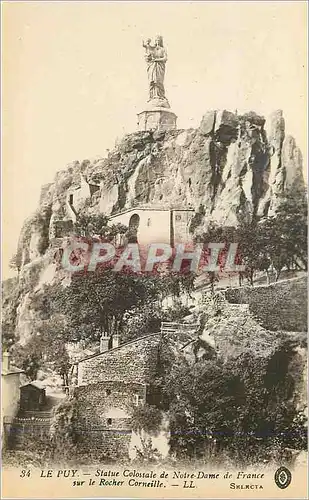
x,y
156,118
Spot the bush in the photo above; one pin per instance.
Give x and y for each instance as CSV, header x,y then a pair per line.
x,y
148,320
246,409
147,418
63,435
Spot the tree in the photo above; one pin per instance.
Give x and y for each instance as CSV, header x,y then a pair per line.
x,y
285,234
218,234
16,261
8,336
97,225
142,321
29,357
245,407
47,346
96,302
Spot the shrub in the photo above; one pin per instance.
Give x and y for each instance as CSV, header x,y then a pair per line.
x,y
147,418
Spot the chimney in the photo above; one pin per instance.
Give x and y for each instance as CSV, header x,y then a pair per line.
x,y
104,342
115,341
6,361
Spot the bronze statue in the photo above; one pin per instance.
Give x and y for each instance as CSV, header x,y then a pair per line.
x,y
156,58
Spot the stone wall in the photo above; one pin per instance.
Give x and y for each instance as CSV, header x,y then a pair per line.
x,y
103,419
111,384
105,444
134,362
114,400
279,306
21,433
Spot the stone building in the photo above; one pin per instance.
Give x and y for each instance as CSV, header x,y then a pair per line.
x,y
110,384
157,225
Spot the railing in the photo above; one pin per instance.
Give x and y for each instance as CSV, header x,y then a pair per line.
x,y
170,327
32,420
36,413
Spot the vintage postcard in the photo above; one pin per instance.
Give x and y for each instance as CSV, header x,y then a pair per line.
x,y
154,251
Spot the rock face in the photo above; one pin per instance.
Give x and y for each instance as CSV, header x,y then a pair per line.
x,y
229,167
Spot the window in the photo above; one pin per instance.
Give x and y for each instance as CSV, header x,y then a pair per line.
x,y
109,421
108,392
148,222
71,199
137,399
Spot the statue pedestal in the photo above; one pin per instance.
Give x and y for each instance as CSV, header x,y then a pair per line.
x,y
156,119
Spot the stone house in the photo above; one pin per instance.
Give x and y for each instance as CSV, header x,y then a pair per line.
x,y
110,384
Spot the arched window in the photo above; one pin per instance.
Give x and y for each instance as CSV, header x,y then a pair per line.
x,y
148,222
109,421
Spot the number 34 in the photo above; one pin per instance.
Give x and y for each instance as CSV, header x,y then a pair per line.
x,y
25,473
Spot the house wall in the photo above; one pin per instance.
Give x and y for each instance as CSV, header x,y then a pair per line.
x,y
108,400
10,394
154,225
9,403
110,386
105,444
103,418
134,362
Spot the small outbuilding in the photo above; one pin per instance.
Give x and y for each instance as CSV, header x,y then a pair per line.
x,y
32,396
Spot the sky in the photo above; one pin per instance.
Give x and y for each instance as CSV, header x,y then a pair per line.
x,y
74,78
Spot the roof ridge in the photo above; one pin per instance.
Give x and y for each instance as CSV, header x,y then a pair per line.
x,y
117,348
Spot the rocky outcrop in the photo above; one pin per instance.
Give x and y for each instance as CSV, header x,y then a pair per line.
x,y
235,166
232,167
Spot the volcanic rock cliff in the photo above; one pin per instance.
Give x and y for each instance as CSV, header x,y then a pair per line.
x,y
233,166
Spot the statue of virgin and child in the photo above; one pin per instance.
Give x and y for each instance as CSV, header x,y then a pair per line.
x,y
156,57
